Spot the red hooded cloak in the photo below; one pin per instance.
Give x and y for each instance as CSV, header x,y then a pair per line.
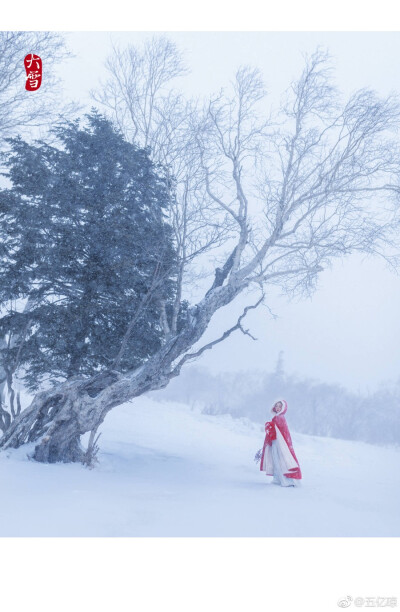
x,y
277,429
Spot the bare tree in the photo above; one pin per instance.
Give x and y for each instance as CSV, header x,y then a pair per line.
x,y
28,111
315,181
20,109
139,97
10,351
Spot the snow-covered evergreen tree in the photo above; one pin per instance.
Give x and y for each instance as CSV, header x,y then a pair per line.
x,y
88,243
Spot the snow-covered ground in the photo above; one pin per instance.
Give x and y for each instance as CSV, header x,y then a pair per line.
x,y
167,470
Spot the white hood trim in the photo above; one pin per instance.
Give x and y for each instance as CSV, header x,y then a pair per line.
x,y
284,408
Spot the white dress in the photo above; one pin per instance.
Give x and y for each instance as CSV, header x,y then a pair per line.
x,y
279,476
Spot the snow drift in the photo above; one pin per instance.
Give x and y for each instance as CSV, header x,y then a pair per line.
x,y
168,470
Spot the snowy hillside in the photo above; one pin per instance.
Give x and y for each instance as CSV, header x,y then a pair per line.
x,y
166,470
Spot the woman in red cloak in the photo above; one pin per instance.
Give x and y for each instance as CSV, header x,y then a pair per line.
x,y
278,458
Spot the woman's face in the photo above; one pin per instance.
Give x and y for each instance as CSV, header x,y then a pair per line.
x,y
278,407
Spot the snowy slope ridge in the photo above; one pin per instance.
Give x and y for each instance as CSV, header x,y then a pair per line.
x,y
167,470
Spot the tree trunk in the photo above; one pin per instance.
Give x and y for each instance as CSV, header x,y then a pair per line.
x,y
52,418
58,417
63,444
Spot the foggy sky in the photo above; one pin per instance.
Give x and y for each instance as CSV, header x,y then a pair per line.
x,y
349,331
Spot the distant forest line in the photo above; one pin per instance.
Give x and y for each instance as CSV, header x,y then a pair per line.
x,y
315,407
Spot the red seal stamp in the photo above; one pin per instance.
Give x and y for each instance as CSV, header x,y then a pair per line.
x,y
33,67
